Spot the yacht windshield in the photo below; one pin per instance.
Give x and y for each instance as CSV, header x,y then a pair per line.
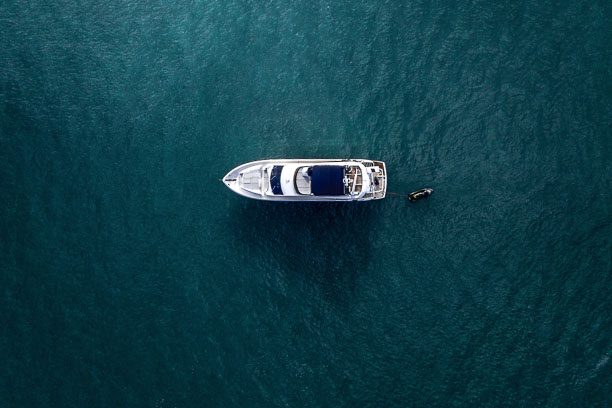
x,y
275,180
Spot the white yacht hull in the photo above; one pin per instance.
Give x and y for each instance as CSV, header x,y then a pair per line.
x,y
257,180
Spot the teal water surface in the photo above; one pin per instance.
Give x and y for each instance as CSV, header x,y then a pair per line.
x,y
130,276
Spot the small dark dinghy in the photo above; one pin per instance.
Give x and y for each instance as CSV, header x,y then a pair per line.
x,y
420,194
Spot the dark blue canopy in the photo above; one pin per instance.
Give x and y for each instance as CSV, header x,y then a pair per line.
x,y
327,180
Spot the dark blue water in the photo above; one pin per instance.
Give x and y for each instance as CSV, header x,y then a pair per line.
x,y
129,276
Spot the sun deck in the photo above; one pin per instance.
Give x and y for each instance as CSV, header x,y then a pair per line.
x,y
354,179
302,180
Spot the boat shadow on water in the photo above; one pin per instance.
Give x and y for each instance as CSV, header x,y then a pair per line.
x,y
328,243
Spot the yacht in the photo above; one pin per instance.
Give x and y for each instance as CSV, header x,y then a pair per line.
x,y
309,180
